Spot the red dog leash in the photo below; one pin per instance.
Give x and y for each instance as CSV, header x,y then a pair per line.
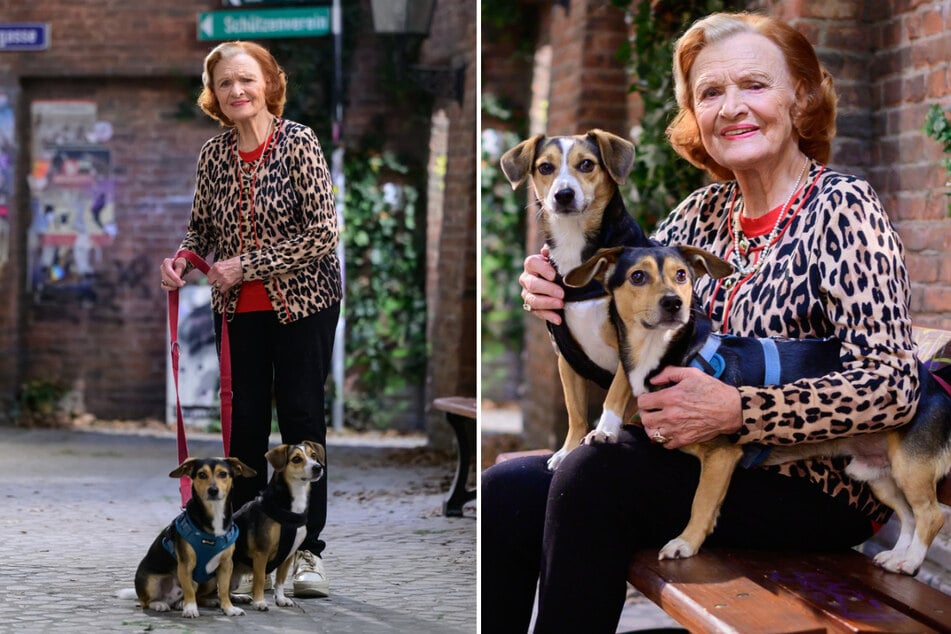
x,y
224,360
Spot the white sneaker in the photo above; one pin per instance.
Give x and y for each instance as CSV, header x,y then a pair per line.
x,y
246,585
310,578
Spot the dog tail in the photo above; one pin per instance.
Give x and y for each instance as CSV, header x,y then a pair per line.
x,y
127,593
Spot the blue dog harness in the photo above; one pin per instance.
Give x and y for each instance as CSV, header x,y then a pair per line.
x,y
710,361
205,545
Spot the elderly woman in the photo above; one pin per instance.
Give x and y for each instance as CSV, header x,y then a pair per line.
x,y
815,256
264,205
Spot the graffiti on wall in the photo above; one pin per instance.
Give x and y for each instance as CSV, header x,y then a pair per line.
x,y
6,175
71,196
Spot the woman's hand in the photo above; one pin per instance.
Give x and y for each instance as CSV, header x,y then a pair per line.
x,y
172,270
539,292
226,274
695,407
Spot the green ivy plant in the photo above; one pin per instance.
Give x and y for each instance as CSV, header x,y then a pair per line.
x,y
660,178
503,241
938,127
386,348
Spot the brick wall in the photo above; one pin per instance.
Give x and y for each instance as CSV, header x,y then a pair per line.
x,y
451,260
108,347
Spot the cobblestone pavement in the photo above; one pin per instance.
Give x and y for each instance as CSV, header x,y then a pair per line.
x,y
80,508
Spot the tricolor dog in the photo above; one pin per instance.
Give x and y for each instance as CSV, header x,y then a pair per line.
x,y
576,181
193,554
658,324
273,525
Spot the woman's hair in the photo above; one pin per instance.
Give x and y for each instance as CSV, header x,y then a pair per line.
x,y
813,115
275,94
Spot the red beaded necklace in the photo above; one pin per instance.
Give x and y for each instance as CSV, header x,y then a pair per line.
x,y
731,285
248,176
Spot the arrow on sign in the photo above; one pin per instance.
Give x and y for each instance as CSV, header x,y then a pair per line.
x,y
207,25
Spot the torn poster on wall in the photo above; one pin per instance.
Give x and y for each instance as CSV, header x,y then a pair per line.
x,y
6,175
71,195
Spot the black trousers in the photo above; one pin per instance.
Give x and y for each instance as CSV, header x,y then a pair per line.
x,y
283,366
574,531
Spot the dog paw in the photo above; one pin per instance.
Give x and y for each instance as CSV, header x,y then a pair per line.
x,y
260,606
190,611
284,602
556,459
233,611
677,549
897,561
241,598
599,437
159,606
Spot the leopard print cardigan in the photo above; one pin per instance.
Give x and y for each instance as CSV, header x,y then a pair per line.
x,y
288,239
837,271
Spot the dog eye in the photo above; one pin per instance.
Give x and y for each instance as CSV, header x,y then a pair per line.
x,y
546,169
586,166
638,278
681,276
297,459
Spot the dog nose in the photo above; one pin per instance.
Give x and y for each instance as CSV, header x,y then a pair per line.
x,y
671,303
212,492
564,196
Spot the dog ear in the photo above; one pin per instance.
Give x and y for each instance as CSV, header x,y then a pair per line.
x,y
277,457
517,162
186,468
241,469
617,154
319,449
705,263
598,267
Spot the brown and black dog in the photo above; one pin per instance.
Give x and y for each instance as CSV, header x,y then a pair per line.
x,y
576,181
192,556
274,524
658,324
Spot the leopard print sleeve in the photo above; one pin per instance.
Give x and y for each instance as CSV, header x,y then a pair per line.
x,y
853,267
200,235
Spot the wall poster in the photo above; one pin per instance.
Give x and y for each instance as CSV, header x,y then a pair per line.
x,y
71,196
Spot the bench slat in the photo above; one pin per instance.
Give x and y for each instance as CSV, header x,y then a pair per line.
x,y
707,594
927,604
459,405
845,587
738,591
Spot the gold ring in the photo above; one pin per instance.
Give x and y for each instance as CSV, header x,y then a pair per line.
x,y
527,307
660,439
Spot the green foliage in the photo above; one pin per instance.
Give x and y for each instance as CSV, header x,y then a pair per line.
x,y
938,127
503,239
386,303
40,396
661,178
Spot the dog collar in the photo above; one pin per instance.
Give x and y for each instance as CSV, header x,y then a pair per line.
x,y
205,545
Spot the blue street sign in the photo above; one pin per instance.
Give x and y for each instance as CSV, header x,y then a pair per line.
x,y
24,36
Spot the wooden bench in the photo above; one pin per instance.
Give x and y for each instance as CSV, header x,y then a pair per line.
x,y
461,413
757,592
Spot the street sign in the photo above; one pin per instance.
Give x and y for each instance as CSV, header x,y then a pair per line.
x,y
264,23
24,36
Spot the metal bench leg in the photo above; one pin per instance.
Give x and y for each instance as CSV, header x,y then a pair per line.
x,y
459,494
